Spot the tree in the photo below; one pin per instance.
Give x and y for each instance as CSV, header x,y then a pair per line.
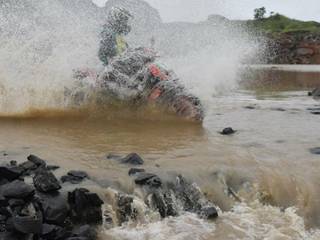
x,y
259,13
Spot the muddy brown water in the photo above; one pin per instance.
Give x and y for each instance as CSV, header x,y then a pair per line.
x,y
267,162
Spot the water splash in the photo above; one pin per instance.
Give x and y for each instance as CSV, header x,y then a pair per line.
x,y
41,42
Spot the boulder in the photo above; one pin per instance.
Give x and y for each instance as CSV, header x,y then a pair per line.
x,y
85,231
37,161
54,207
45,181
85,206
10,172
133,159
125,210
228,131
17,189
52,167
193,200
28,221
54,232
148,179
209,213
163,202
315,150
74,177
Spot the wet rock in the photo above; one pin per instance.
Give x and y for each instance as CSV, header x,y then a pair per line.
x,y
134,171
125,210
250,107
54,232
10,173
37,161
85,231
12,236
54,207
13,163
192,199
17,189
315,150
209,213
148,179
52,167
28,167
74,177
28,221
45,181
85,206
3,201
15,202
163,202
315,112
133,159
228,131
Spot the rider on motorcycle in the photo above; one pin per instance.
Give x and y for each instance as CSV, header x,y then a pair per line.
x,y
112,42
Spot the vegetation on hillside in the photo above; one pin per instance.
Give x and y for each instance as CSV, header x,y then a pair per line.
x,y
277,23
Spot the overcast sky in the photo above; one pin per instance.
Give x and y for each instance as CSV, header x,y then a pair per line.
x,y
196,10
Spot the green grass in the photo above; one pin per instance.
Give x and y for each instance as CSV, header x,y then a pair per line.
x,y
282,24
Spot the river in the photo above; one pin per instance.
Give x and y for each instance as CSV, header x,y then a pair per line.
x,y
267,162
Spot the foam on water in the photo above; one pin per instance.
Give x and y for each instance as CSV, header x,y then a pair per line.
x,y
185,227
244,221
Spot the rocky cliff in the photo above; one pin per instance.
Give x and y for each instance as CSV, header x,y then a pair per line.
x,y
294,48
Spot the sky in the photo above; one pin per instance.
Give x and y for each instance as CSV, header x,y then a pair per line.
x,y
197,10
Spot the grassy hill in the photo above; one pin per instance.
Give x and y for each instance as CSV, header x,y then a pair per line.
x,y
281,24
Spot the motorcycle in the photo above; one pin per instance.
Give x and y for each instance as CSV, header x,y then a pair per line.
x,y
135,77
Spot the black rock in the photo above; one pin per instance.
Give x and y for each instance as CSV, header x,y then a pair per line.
x,y
124,210
28,221
163,202
13,163
148,179
54,207
315,150
85,231
209,213
85,207
3,201
45,181
227,131
12,236
52,167
37,161
28,166
78,174
134,171
133,159
17,189
78,238
315,112
16,202
250,107
74,177
54,232
10,172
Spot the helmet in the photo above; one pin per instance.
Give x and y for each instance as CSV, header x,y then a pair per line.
x,y
118,19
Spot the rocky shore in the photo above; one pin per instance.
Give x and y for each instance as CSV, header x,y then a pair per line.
x,y
293,48
35,204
